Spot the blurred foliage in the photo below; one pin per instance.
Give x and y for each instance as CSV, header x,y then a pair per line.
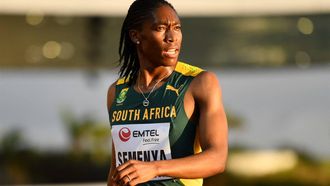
x,y
88,137
87,158
29,166
12,142
234,120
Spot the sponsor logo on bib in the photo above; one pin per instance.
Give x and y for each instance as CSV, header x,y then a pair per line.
x,y
124,134
143,141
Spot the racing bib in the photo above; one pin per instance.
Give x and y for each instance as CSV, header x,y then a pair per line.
x,y
143,142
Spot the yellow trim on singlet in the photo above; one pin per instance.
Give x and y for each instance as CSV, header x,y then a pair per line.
x,y
197,145
122,81
187,70
192,182
183,68
197,149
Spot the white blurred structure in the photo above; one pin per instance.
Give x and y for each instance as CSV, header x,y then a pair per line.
x,y
262,162
184,7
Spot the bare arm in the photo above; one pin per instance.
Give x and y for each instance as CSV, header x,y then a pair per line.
x,y
110,99
206,94
212,133
112,167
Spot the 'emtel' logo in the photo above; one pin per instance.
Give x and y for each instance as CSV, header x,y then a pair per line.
x,y
124,134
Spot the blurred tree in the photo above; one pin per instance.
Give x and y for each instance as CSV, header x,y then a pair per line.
x,y
12,169
12,142
88,137
234,120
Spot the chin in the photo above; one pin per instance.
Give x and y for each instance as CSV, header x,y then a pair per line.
x,y
170,61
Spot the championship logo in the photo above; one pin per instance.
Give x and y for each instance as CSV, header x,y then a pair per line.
x,y
122,96
124,134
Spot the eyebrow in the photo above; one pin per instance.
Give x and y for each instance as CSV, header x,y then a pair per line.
x,y
166,22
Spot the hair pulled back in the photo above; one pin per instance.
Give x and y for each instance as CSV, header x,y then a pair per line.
x,y
138,13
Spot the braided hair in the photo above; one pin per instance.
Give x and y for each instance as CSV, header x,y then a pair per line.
x,y
138,12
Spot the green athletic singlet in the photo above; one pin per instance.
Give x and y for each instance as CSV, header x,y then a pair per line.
x,y
159,131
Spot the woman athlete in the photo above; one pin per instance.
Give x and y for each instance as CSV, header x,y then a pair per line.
x,y
167,119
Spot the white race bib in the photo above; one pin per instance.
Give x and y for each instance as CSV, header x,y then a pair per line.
x,y
144,142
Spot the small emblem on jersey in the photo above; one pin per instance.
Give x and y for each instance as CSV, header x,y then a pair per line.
x,y
122,96
176,90
124,134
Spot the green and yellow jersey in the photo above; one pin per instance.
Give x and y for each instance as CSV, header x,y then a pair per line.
x,y
158,131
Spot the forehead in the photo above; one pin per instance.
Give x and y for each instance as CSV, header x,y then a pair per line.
x,y
164,15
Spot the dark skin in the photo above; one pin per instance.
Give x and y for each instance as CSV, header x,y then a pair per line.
x,y
160,41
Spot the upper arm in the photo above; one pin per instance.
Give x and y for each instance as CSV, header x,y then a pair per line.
x,y
212,119
110,98
111,95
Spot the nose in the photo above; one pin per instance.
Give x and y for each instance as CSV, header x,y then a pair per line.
x,y
170,36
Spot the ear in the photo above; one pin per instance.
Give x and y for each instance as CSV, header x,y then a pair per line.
x,y
134,35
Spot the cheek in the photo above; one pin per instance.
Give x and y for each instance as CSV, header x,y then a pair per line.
x,y
179,36
151,50
153,43
153,37
157,39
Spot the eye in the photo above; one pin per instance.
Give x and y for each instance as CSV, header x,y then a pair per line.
x,y
177,27
161,28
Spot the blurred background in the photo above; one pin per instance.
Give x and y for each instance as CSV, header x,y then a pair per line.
x,y
58,58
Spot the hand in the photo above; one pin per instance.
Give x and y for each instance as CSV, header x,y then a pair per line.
x,y
134,172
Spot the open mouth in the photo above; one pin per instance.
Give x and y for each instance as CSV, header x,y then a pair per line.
x,y
171,53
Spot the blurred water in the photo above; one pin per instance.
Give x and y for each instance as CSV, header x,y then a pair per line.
x,y
287,107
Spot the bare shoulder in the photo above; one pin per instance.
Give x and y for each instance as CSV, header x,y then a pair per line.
x,y
111,94
206,77
205,84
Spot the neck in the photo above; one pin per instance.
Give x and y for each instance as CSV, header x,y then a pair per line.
x,y
149,76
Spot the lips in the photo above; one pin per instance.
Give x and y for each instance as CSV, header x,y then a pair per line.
x,y
171,53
